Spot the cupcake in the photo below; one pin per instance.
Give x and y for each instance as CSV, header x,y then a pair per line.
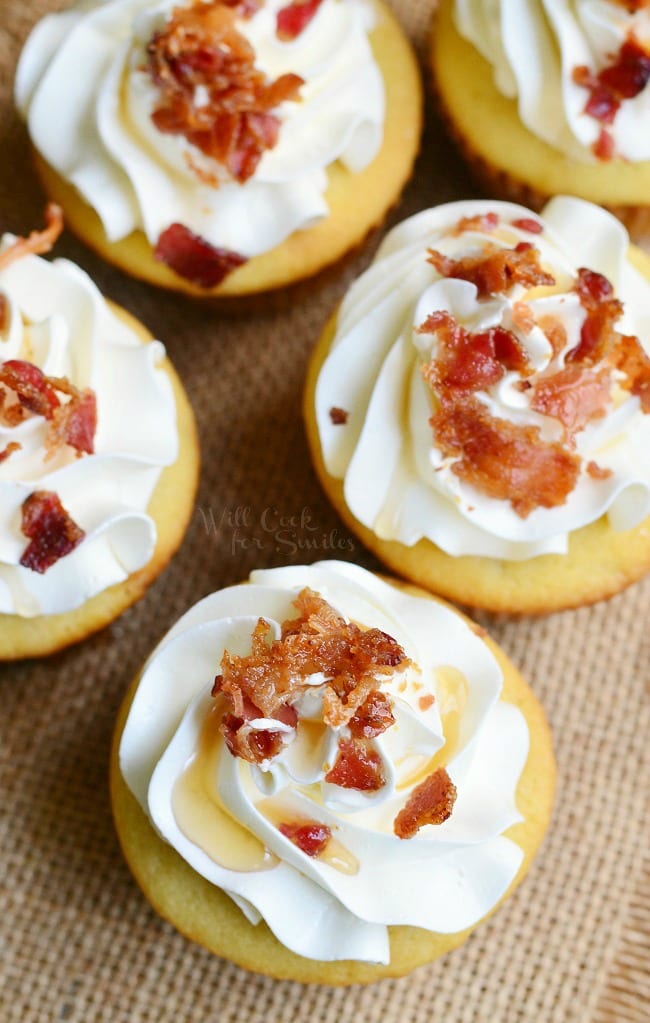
x,y
222,147
328,777
551,98
98,452
477,409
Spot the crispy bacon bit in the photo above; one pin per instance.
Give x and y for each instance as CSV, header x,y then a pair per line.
x,y
630,358
9,450
574,395
32,388
496,270
624,78
426,701
483,222
293,19
522,317
253,745
319,640
597,335
338,416
430,802
555,333
467,361
596,472
211,93
38,242
52,532
357,766
373,717
311,838
504,460
528,224
191,257
75,424
603,147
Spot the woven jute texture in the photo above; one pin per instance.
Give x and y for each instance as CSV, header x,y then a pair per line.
x,y
78,941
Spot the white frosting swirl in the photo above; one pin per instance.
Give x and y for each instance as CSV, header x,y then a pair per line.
x,y
447,877
534,48
396,482
59,321
101,137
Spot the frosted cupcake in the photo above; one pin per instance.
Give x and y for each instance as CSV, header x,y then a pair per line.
x,y
478,409
221,147
551,97
328,777
98,452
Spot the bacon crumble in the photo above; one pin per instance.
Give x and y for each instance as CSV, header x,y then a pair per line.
x,y
430,802
293,19
319,640
9,450
357,766
467,361
338,416
624,78
194,258
200,52
311,838
483,222
50,529
529,225
38,242
496,270
73,422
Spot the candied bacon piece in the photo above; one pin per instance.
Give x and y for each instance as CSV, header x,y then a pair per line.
x,y
253,745
200,54
597,472
74,423
624,78
311,838
38,242
430,802
293,19
597,334
496,270
573,395
338,416
467,361
502,459
32,388
426,701
193,258
318,640
373,717
630,358
7,452
357,766
50,529
528,224
484,222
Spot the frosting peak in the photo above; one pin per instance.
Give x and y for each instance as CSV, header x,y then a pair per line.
x,y
297,836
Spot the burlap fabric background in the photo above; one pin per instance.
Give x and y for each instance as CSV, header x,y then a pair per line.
x,y
78,941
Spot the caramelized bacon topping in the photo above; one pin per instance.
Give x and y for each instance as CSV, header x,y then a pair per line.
x,y
191,257
338,416
211,93
311,838
357,766
484,222
630,358
574,395
73,422
502,459
528,224
319,640
624,78
294,18
496,270
7,452
467,361
430,802
51,531
596,472
373,717
38,242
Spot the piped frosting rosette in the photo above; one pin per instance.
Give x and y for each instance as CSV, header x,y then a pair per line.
x,y
107,138
488,384
55,320
297,816
579,70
